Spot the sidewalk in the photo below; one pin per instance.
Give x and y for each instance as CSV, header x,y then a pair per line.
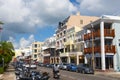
x,y
1,75
109,74
8,74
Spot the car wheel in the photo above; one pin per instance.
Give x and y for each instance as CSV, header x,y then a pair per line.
x,y
83,71
67,69
77,70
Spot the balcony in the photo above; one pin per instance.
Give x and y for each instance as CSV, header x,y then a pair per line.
x,y
110,49
97,49
107,33
87,36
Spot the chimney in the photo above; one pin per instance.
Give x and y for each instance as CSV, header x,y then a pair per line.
x,y
78,13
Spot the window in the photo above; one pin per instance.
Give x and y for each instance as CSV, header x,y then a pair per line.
x,y
35,45
91,21
35,50
64,32
64,40
58,35
35,56
81,21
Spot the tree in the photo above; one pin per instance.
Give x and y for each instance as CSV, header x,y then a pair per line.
x,y
6,51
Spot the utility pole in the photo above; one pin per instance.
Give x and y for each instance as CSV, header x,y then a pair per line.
x,y
1,23
93,55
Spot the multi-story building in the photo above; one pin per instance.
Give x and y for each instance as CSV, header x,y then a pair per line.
x,y
36,50
65,35
70,48
79,47
102,43
23,52
48,50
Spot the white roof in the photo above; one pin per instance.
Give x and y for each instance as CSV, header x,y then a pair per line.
x,y
110,17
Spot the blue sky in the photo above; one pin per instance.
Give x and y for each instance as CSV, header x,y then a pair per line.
x,y
26,21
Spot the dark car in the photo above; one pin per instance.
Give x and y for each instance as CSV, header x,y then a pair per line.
x,y
85,68
41,64
71,67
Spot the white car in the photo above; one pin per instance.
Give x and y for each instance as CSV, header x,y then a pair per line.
x,y
27,65
33,66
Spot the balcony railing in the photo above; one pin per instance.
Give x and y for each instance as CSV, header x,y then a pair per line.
x,y
110,49
97,49
107,32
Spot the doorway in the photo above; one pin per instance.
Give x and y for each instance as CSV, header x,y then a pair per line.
x,y
109,62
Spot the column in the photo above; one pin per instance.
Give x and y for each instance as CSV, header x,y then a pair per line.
x,y
70,47
68,59
102,46
64,49
85,58
77,58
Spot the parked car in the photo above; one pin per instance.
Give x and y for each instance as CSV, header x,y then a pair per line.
x,y
33,66
47,65
85,68
41,64
71,67
63,66
51,65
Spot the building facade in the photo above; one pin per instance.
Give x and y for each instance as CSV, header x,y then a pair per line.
x,y
22,53
102,43
49,50
65,37
36,50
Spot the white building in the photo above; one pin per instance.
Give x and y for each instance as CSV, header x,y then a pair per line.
x,y
103,49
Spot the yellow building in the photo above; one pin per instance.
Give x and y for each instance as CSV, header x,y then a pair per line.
x,y
36,50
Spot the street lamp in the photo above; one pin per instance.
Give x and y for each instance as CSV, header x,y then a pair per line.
x,y
93,56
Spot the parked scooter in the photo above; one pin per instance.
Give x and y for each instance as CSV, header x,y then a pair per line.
x,y
38,76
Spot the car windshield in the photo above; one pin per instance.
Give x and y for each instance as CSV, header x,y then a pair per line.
x,y
73,64
64,63
86,65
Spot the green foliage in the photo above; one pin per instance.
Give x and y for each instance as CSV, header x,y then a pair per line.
x,y
1,70
7,51
0,58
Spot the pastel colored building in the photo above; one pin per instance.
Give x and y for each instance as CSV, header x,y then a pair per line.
x,y
65,36
48,50
102,43
36,50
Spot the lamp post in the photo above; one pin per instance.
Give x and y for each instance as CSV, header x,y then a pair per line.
x,y
93,56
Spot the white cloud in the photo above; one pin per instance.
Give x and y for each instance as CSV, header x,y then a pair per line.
x,y
33,12
15,44
13,10
99,7
23,16
22,42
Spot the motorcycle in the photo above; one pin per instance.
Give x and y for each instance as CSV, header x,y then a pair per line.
x,y
38,76
57,75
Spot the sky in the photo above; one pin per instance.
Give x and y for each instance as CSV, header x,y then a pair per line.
x,y
26,21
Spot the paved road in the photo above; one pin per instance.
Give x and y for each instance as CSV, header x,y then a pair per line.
x,y
67,75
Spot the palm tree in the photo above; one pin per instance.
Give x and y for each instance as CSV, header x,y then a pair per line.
x,y
6,51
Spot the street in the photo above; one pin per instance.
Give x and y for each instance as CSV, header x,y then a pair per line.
x,y
67,75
